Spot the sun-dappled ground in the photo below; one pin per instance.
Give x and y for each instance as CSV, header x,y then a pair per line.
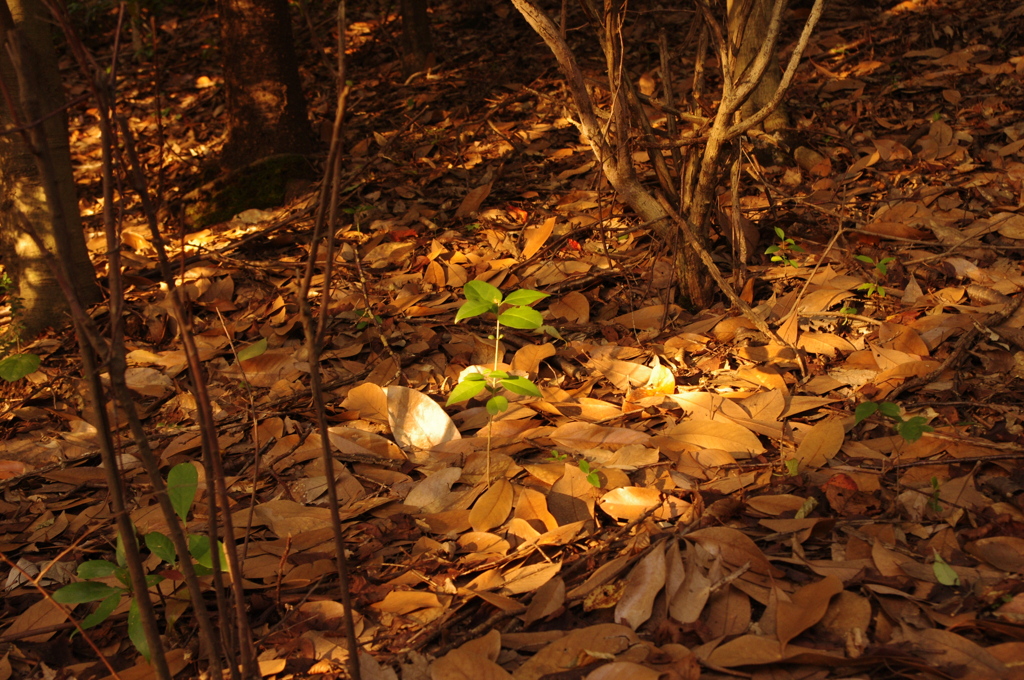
x,y
687,497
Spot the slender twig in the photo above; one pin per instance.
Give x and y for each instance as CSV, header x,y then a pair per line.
x,y
315,329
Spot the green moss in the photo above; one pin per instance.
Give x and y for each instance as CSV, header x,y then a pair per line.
x,y
262,184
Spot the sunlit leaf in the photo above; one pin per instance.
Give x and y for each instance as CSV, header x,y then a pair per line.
x,y
465,390
523,318
479,291
254,350
522,386
472,308
524,297
497,404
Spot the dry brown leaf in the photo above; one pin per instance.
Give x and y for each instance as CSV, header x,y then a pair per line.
x,y
571,498
473,200
492,508
430,493
630,502
724,436
528,357
1002,552
532,507
820,444
573,307
536,236
369,401
417,420
605,638
474,660
643,584
529,578
620,670
583,436
805,608
548,600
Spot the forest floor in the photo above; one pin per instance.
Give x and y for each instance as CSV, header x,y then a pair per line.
x,y
687,498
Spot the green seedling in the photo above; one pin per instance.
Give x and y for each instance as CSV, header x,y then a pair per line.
x,y
881,267
935,502
783,251
96,575
512,311
20,364
355,213
910,429
592,477
368,318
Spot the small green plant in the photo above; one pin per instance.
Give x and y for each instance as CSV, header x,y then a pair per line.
x,y
935,502
366,318
592,478
355,213
182,485
783,251
14,366
512,311
910,429
881,268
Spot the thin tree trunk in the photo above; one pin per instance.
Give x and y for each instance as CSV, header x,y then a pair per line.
x,y
22,198
266,106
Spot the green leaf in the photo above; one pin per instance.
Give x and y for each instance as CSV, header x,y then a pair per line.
x,y
771,249
552,331
478,291
135,630
100,614
792,467
472,308
584,467
96,569
524,297
199,548
779,232
914,428
865,410
523,318
161,546
182,485
944,573
520,385
17,366
254,350
465,390
497,375
475,377
808,505
594,479
84,591
890,410
122,575
864,258
497,404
